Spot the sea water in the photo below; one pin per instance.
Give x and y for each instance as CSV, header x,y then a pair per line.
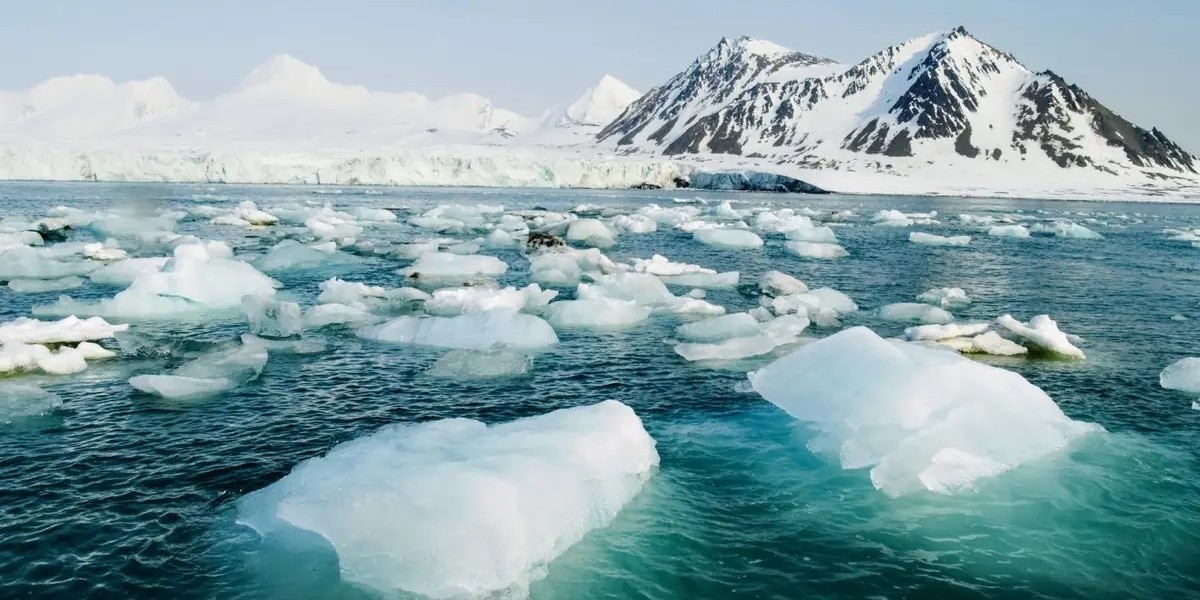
x,y
120,494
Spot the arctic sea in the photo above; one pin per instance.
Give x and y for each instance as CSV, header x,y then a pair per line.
x,y
118,494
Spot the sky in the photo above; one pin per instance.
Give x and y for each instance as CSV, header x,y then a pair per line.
x,y
1140,59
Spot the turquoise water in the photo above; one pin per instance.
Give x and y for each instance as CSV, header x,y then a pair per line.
x,y
121,495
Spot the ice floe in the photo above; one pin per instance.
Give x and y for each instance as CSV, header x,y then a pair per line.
x,y
946,297
210,374
923,419
1041,333
733,239
474,331
1182,375
816,250
908,312
455,508
929,239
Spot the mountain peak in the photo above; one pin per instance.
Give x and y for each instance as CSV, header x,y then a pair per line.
x,y
601,103
284,70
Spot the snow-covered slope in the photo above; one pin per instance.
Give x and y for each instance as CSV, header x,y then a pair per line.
x,y
944,99
83,106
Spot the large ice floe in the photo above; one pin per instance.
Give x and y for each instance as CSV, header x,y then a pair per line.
x,y
199,277
458,509
923,419
498,328
438,268
929,239
1182,375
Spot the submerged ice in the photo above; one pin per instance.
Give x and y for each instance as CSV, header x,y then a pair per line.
x,y
458,509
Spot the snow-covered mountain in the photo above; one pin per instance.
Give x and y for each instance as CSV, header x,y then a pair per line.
x,y
600,104
81,106
944,99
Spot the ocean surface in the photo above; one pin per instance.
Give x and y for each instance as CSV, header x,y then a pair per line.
x,y
119,494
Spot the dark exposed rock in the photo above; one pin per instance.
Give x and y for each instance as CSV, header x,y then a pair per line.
x,y
681,182
53,236
751,181
538,240
646,186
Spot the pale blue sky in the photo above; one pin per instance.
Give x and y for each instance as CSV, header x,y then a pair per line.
x,y
1139,58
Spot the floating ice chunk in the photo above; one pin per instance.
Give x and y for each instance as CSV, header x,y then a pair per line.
x,y
775,283
475,331
68,330
18,401
210,374
946,297
815,250
919,418
710,281
669,216
329,224
23,262
1178,318
67,361
1183,375
661,265
1012,231
734,239
378,215
815,235
720,328
498,238
553,268
834,300
457,509
250,213
977,220
35,286
457,301
903,312
782,221
771,335
595,313
1041,333
992,343
19,239
471,364
938,332
685,274
366,297
333,313
272,318
91,351
290,255
642,288
591,232
634,224
443,266
891,218
929,239
104,252
687,305
1075,231
125,271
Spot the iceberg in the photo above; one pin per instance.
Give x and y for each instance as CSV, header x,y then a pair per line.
x,y
591,232
475,331
1182,375
775,283
271,318
929,239
1011,231
771,335
1041,333
720,328
68,330
455,508
814,235
732,239
448,267
816,250
596,313
210,374
290,255
450,302
946,297
923,419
